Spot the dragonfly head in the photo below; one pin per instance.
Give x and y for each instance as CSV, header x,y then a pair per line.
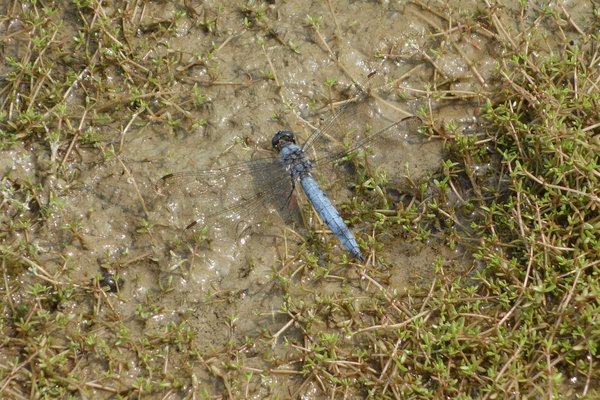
x,y
282,138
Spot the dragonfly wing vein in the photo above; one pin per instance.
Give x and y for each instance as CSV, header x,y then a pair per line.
x,y
205,196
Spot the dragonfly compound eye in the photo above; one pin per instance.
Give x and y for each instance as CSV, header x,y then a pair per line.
x,y
282,136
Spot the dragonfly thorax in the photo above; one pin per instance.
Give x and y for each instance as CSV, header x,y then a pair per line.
x,y
294,160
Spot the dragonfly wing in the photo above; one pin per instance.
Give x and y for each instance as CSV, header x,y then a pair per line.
x,y
226,195
362,124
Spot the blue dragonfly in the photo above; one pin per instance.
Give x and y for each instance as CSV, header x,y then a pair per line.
x,y
243,188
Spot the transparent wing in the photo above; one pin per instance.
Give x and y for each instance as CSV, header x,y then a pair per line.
x,y
236,191
359,123
407,127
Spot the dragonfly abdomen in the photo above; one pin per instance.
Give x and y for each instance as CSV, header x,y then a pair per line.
x,y
330,215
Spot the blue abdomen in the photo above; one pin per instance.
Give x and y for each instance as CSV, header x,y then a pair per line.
x,y
330,215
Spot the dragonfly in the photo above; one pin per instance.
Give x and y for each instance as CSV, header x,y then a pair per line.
x,y
243,188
